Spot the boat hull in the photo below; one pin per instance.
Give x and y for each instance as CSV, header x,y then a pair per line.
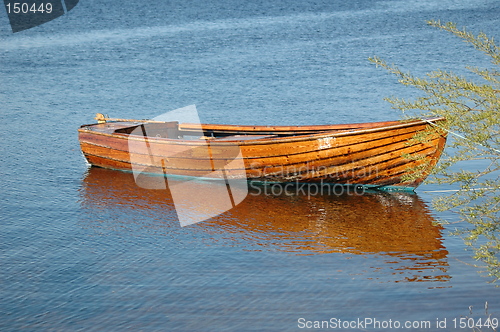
x,y
379,154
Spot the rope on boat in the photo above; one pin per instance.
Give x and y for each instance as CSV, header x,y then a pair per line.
x,y
462,137
454,190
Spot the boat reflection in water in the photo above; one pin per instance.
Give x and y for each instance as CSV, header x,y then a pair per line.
x,y
392,228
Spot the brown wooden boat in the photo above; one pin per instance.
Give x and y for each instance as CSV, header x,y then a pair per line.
x,y
377,154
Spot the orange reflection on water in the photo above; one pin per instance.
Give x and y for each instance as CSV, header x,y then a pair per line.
x,y
396,226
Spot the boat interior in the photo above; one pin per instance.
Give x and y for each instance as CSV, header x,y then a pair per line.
x,y
190,131
174,130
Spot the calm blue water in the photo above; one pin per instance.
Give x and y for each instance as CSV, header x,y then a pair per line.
x,y
85,249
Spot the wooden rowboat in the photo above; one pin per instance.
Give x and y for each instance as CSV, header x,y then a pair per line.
x,y
377,154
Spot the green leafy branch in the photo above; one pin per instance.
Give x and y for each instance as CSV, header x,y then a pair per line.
x,y
472,110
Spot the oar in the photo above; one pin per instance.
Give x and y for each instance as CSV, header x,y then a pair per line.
x,y
101,118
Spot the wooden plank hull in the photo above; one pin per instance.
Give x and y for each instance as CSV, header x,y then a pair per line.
x,y
372,154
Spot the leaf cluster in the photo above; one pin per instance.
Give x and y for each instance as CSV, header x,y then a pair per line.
x,y
471,106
